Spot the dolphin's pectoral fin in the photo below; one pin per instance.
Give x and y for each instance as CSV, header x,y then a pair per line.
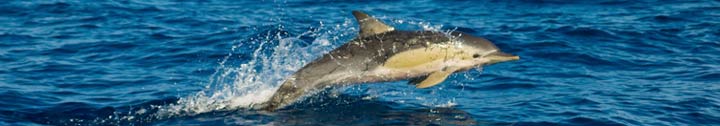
x,y
435,78
369,25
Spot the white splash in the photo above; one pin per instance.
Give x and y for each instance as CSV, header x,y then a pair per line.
x,y
242,86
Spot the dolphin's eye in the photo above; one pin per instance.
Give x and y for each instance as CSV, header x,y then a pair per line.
x,y
476,55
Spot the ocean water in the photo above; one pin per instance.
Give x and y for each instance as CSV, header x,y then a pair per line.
x,y
138,62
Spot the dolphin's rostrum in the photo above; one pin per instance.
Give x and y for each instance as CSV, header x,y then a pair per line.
x,y
380,53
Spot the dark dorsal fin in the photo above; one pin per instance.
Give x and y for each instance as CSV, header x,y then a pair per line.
x,y
369,25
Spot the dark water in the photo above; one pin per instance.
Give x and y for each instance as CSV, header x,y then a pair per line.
x,y
610,62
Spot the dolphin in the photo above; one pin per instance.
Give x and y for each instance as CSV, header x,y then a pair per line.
x,y
380,54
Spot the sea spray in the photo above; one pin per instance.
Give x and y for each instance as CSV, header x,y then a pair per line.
x,y
276,56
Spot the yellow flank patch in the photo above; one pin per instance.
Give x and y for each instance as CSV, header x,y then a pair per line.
x,y
417,57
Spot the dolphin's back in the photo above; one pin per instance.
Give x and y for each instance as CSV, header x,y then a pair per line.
x,y
362,54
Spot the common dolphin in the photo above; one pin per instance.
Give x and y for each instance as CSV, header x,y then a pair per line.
x,y
380,53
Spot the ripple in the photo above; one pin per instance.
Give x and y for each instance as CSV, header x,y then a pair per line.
x,y
65,93
583,32
25,101
578,58
664,18
11,39
56,7
593,122
504,87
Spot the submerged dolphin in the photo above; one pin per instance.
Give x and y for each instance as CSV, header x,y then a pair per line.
x,y
380,53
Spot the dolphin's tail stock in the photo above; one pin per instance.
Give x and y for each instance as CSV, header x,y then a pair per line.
x,y
288,93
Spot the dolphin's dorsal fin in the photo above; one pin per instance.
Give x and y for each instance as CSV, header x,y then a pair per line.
x,y
369,25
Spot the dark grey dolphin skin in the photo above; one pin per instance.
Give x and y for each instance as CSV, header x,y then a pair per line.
x,y
365,59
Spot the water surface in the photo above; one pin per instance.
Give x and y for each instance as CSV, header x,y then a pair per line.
x,y
609,62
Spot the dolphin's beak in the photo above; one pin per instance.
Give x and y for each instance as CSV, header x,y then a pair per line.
x,y
500,57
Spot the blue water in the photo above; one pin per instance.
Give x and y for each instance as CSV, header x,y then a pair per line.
x,y
133,62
